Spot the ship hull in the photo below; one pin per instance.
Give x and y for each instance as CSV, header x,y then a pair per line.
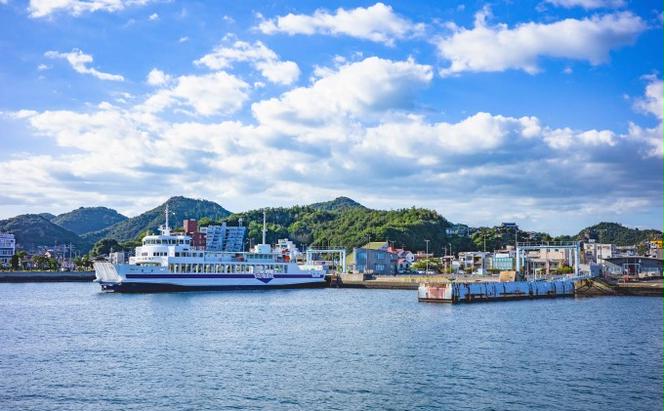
x,y
126,278
138,287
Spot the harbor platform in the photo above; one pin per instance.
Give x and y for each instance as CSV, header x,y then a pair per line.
x,y
468,292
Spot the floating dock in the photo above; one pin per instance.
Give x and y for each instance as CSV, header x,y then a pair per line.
x,y
466,292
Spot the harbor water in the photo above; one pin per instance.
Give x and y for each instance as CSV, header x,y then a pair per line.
x,y
66,346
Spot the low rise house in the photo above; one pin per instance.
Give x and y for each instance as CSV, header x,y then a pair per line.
x,y
460,230
405,259
546,260
476,262
598,252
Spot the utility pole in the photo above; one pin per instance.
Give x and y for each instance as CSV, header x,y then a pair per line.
x,y
427,256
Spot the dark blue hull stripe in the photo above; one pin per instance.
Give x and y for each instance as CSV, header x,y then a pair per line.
x,y
156,287
230,276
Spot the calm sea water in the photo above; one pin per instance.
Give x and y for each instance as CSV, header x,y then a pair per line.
x,y
68,347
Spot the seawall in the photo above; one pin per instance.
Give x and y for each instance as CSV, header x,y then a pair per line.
x,y
46,276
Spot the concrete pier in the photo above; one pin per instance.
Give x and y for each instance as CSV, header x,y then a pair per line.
x,y
46,276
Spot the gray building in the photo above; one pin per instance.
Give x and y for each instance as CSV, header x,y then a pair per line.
x,y
633,266
373,258
224,238
7,248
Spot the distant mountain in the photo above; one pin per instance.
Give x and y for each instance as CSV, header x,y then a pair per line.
x,y
338,204
88,219
617,234
47,216
180,208
33,230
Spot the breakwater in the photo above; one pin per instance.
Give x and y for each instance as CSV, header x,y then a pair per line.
x,y
46,276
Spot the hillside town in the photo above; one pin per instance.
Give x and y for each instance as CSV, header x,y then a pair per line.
x,y
383,258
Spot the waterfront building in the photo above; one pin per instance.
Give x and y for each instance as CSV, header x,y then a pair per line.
x,y
476,262
502,261
598,252
7,248
547,259
224,238
639,266
373,258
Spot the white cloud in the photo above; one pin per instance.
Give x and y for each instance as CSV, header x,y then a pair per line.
x,y
354,90
566,138
376,23
44,8
352,131
157,77
183,39
486,48
43,67
79,61
587,4
650,103
211,94
264,60
153,17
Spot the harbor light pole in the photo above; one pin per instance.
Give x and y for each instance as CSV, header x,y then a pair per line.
x,y
427,256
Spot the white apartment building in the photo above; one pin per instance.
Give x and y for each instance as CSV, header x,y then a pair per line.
x,y
7,248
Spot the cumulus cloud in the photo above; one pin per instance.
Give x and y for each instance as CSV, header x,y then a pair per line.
x,y
353,90
651,104
80,61
352,131
487,48
157,77
376,23
587,4
45,8
260,56
211,94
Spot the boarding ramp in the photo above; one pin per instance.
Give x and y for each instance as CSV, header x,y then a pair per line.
x,y
105,272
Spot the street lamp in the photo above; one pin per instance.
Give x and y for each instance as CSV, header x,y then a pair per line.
x,y
427,256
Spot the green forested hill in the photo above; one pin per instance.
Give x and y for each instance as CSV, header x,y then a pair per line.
x,y
352,227
88,219
338,204
617,234
180,208
339,222
32,230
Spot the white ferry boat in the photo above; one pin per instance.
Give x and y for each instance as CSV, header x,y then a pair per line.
x,y
168,262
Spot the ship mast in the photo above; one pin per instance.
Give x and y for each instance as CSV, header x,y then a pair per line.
x,y
264,227
166,211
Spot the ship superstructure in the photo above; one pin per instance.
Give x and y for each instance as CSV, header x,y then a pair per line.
x,y
168,262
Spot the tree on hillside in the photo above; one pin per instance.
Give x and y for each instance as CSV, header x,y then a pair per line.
x,y
105,247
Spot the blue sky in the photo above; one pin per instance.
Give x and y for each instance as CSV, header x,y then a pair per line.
x,y
548,113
